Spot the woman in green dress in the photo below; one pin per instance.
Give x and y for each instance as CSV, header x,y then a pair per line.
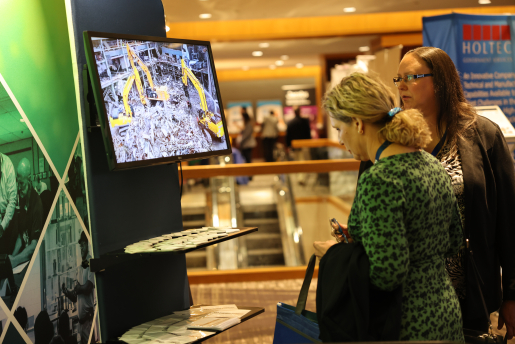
x,y
405,211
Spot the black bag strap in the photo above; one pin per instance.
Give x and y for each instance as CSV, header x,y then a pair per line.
x,y
478,278
303,296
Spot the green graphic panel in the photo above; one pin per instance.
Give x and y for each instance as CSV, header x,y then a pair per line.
x,y
28,190
35,61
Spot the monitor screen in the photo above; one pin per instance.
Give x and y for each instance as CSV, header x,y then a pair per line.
x,y
158,98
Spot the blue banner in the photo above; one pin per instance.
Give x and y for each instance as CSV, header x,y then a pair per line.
x,y
482,49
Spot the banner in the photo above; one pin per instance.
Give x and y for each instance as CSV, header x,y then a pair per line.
x,y
264,107
233,115
482,49
42,168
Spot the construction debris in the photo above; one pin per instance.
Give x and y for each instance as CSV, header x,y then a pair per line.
x,y
163,116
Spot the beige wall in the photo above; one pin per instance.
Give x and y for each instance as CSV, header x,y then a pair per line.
x,y
314,215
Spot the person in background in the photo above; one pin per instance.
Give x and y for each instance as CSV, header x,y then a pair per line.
x,y
82,293
39,186
248,142
8,197
63,328
297,129
405,212
29,217
20,314
269,134
57,340
43,328
479,163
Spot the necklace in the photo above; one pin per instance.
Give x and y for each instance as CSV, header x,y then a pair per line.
x,y
381,149
438,147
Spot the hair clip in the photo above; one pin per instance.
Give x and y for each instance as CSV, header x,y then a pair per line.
x,y
394,111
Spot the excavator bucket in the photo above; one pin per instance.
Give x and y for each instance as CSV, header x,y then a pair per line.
x,y
217,129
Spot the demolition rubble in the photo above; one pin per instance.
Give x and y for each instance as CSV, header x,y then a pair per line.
x,y
153,133
160,99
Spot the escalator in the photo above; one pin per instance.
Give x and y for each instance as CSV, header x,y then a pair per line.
x,y
266,203
264,248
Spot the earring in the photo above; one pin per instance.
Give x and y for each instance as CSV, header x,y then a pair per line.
x,y
361,131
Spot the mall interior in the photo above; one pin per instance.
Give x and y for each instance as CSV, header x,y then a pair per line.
x,y
259,53
271,60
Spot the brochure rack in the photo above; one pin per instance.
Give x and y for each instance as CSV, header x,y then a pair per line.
x,y
119,256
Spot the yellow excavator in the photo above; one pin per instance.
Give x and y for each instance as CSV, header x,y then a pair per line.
x,y
160,92
207,119
125,118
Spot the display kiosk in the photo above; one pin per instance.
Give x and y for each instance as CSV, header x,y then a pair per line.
x,y
129,205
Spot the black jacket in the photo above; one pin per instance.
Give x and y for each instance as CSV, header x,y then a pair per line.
x,y
297,129
349,308
489,180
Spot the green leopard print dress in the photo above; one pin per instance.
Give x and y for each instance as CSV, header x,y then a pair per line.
x,y
406,217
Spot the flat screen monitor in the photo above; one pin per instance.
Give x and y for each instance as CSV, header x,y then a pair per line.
x,y
157,98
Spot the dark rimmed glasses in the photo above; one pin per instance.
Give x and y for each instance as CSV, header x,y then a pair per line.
x,y
408,78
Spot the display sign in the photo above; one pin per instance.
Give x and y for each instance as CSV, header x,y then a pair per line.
x,y
158,97
265,107
234,118
495,114
299,95
482,50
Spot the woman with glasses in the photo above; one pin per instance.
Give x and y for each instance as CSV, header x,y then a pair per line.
x,y
474,153
405,213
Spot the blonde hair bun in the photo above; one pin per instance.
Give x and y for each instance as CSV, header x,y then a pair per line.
x,y
365,97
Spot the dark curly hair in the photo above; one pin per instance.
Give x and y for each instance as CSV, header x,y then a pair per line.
x,y
454,110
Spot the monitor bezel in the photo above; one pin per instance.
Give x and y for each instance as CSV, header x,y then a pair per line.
x,y
102,110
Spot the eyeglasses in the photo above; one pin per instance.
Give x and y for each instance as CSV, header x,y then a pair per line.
x,y
408,78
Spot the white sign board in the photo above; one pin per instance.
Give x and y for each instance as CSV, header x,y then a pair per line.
x,y
495,114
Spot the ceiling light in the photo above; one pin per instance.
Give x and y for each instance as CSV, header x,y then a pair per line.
x,y
349,9
245,68
205,16
273,67
257,53
279,62
299,65
284,57
363,49
264,45
167,28
484,2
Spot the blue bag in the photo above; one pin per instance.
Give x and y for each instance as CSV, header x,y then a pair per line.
x,y
295,324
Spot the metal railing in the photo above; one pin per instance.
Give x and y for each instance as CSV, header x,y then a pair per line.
x,y
226,207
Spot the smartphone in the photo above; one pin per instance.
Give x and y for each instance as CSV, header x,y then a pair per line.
x,y
340,229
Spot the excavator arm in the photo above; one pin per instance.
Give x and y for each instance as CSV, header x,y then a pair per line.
x,y
161,91
126,90
216,128
132,55
143,66
187,73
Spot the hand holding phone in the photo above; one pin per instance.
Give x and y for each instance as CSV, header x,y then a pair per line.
x,y
338,232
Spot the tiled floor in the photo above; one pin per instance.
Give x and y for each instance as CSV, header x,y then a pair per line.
x,y
261,294
493,318
253,294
